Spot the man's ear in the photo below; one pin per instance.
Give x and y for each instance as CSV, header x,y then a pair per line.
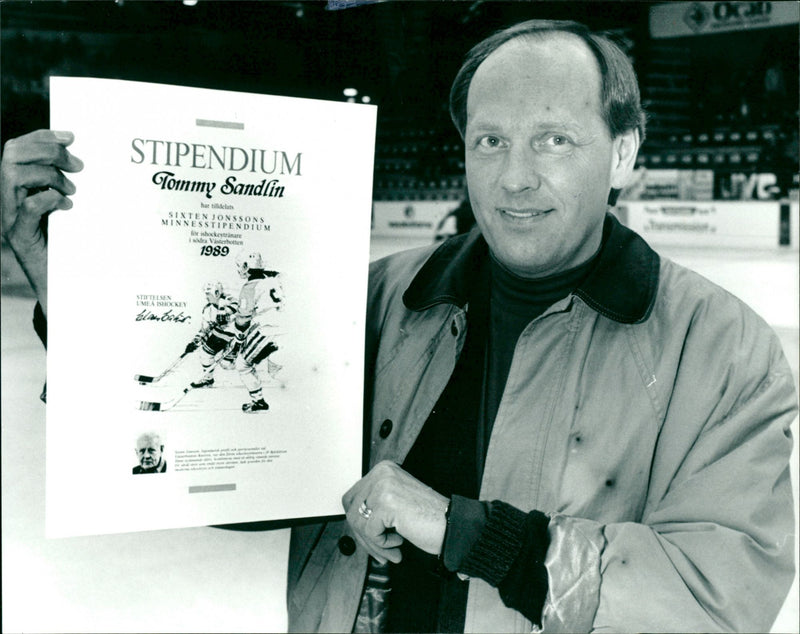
x,y
623,160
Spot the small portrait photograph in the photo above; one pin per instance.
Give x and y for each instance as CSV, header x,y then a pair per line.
x,y
149,452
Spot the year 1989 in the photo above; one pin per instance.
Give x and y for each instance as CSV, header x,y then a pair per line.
x,y
217,250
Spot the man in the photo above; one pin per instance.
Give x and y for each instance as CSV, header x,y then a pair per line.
x,y
32,184
260,294
149,453
563,428
590,436
216,333
459,220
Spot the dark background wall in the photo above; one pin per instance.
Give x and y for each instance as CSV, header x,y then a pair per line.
x,y
727,101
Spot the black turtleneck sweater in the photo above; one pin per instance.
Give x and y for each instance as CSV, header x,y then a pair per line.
x,y
490,540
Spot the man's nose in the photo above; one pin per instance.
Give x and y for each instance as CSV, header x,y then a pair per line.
x,y
520,171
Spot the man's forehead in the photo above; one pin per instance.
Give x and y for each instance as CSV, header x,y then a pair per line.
x,y
554,66
548,43
554,51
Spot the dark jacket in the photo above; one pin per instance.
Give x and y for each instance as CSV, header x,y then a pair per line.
x,y
647,414
161,467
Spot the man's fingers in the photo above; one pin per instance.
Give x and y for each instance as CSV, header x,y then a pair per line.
x,y
393,554
389,540
48,200
46,135
382,555
24,220
371,550
42,147
35,177
371,534
44,154
347,498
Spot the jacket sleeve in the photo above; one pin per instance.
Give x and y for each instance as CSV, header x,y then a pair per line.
x,y
40,324
714,548
40,327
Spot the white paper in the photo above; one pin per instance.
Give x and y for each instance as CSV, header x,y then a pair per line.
x,y
163,208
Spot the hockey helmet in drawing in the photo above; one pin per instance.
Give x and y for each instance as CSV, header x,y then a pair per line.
x,y
215,289
248,260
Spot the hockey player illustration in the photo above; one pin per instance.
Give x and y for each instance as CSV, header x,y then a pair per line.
x,y
217,334
260,299
234,333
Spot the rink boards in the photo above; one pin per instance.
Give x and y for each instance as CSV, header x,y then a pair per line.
x,y
726,224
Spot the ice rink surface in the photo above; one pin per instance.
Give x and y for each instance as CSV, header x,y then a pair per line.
x,y
208,579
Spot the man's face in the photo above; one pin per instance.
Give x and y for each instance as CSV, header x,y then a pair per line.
x,y
148,452
539,157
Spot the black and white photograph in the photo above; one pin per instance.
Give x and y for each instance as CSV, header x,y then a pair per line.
x,y
150,455
424,315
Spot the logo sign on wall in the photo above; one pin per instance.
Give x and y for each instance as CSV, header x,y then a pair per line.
x,y
747,186
409,218
679,19
655,184
707,224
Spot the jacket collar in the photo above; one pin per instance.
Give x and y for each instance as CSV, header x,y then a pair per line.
x,y
621,286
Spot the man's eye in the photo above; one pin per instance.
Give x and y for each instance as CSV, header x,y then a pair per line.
x,y
489,142
557,141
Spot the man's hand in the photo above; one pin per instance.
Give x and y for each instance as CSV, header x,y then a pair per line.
x,y
32,183
395,506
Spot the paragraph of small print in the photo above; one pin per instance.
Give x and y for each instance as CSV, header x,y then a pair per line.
x,y
219,459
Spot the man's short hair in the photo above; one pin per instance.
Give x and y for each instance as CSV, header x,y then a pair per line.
x,y
619,98
150,437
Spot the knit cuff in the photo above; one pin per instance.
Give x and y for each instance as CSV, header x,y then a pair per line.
x,y
465,525
525,586
498,546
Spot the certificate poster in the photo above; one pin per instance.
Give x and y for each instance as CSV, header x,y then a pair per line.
x,y
206,307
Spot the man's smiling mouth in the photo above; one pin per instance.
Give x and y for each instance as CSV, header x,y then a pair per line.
x,y
523,213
